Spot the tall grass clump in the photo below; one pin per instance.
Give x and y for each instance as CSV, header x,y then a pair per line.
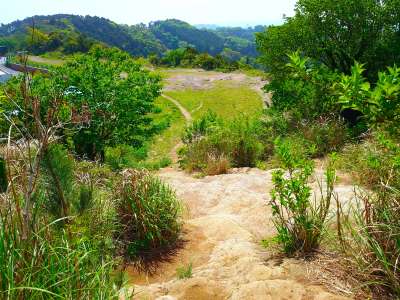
x,y
212,145
370,231
373,161
370,237
300,222
149,214
49,265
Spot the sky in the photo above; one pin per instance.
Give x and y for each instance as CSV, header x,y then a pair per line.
x,y
219,12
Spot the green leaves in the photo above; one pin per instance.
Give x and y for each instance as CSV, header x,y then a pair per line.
x,y
335,33
379,104
114,93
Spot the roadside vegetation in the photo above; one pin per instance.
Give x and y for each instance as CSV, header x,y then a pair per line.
x,y
65,231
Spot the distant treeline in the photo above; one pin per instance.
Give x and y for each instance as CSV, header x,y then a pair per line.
x,y
70,34
189,57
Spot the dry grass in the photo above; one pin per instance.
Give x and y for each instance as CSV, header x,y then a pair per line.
x,y
217,165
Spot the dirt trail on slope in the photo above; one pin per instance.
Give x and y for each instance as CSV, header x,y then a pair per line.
x,y
188,117
225,220
183,110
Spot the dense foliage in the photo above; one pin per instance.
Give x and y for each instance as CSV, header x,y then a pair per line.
x,y
334,80
70,34
189,57
336,33
60,225
108,91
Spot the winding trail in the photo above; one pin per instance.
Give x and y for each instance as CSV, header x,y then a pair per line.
x,y
183,110
188,117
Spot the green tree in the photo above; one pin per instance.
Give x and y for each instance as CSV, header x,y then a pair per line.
x,y
114,94
108,94
336,33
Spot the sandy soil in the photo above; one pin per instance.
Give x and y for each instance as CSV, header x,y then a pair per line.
x,y
226,218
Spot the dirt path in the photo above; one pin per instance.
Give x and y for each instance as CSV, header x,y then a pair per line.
x,y
226,218
183,110
188,117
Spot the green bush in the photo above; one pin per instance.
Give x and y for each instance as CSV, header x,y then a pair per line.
x,y
246,147
299,221
201,127
379,103
305,90
124,156
149,215
212,144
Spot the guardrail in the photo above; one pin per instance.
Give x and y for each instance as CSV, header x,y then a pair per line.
x,y
29,69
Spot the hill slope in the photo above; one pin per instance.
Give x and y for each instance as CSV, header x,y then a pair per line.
x,y
71,33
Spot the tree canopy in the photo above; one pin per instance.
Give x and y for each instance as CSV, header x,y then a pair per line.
x,y
336,33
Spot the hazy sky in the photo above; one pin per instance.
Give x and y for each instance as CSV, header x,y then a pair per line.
x,y
221,12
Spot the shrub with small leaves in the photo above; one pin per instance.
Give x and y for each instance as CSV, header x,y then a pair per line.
x,y
299,221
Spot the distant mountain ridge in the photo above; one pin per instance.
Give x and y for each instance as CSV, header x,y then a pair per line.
x,y
73,33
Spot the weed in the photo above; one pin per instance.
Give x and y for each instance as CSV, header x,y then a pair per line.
x,y
185,272
299,221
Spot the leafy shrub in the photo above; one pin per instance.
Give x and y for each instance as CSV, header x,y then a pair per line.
x,y
200,127
246,147
380,105
148,213
305,90
299,221
212,145
124,156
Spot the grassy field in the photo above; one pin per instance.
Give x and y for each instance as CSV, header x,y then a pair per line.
x,y
162,144
227,99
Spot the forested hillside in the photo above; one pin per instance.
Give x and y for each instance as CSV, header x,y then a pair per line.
x,y
71,33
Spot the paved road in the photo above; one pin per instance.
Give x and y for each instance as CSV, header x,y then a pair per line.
x,y
6,70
